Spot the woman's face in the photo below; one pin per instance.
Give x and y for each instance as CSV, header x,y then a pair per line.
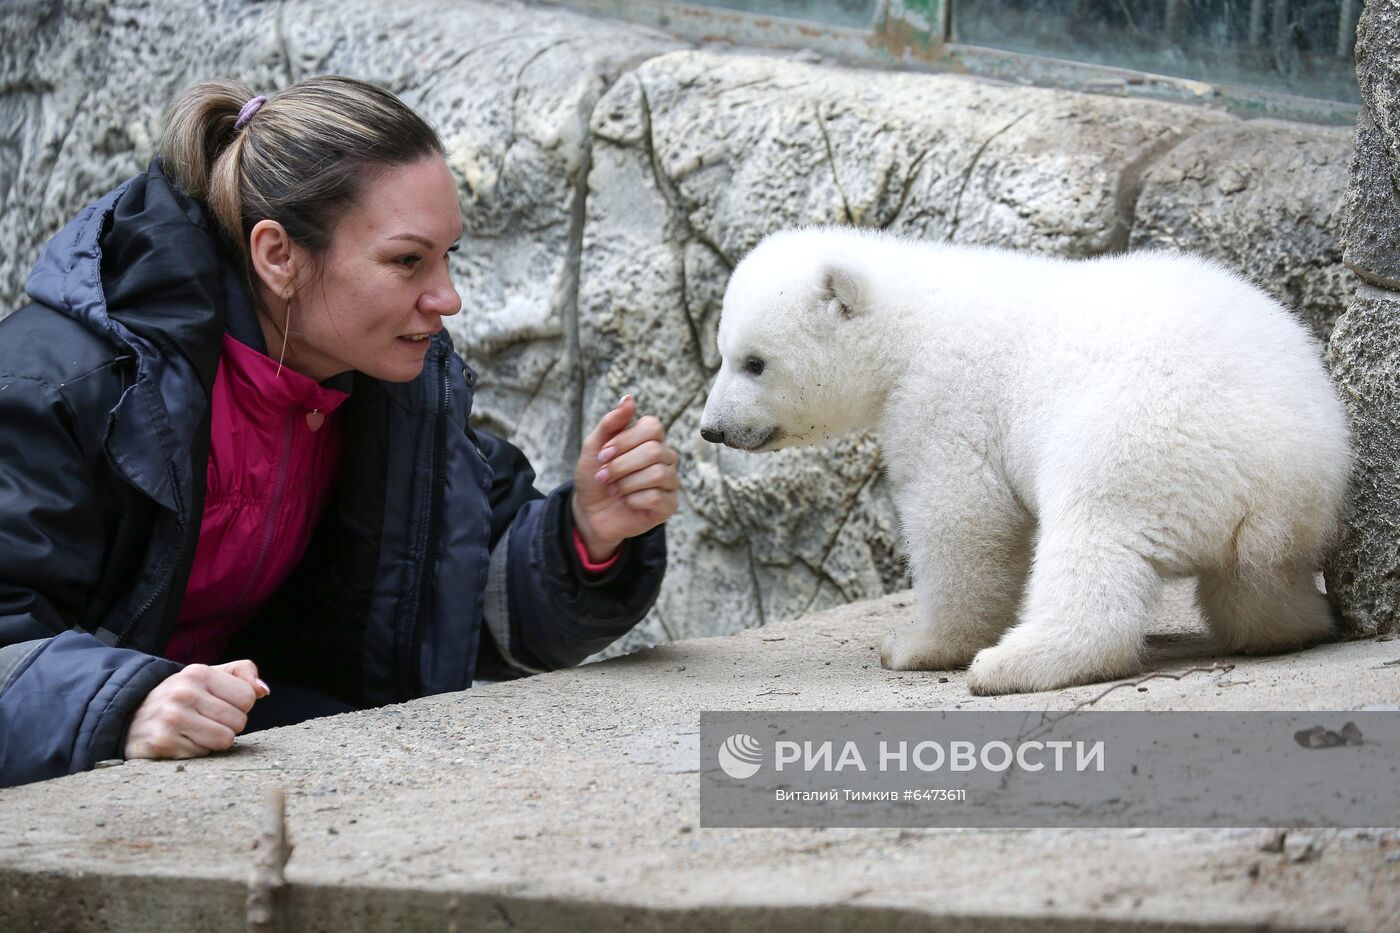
x,y
383,286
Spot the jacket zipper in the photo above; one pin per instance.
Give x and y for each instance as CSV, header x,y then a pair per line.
x,y
411,675
166,575
270,524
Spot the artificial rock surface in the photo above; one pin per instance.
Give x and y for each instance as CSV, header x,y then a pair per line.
x,y
1371,231
1364,355
1220,194
570,801
609,182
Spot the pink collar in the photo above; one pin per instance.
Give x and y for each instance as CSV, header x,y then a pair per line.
x,y
262,390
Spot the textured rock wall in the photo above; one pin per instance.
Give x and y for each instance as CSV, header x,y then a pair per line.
x,y
1365,348
610,180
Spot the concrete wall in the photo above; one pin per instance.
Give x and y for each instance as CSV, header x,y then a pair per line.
x,y
611,178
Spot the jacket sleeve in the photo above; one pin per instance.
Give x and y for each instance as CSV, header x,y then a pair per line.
x,y
65,697
543,611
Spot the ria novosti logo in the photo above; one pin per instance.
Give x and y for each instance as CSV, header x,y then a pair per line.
x,y
740,756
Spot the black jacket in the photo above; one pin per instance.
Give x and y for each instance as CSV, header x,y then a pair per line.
x,y
436,561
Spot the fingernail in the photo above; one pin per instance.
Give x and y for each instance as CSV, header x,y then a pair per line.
x,y
262,683
606,454
623,401
601,476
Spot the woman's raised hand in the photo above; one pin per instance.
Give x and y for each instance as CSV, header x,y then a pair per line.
x,y
626,481
195,711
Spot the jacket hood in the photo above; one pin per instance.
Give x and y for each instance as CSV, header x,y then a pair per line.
x,y
142,267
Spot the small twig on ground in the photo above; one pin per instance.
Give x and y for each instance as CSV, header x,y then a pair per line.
x,y
1047,720
270,853
1219,667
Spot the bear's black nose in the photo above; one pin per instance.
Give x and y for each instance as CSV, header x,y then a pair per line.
x,y
714,437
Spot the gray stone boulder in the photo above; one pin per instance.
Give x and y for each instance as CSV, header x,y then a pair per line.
x,y
84,86
1372,231
1364,352
1365,357
1263,197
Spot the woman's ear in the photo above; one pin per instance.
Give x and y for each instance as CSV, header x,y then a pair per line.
x,y
274,257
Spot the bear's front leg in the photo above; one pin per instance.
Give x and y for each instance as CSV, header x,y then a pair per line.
x,y
968,540
1087,606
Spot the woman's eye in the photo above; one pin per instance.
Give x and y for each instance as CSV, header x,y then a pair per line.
x,y
753,366
409,261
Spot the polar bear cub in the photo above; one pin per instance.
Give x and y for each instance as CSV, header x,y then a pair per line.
x,y
1060,436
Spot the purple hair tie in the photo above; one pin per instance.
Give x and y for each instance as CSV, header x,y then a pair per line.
x,y
248,110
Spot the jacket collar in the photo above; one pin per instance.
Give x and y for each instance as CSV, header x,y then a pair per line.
x,y
142,267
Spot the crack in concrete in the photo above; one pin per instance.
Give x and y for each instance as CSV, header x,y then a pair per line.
x,y
443,72
539,383
1129,191
661,624
906,188
697,348
956,218
573,261
667,188
324,60
62,143
766,79
831,160
506,917
280,27
515,100
685,408
748,545
848,508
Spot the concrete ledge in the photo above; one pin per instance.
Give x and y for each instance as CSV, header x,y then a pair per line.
x,y
570,801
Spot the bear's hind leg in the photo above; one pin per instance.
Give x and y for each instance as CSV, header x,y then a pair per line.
x,y
1087,606
969,555
1265,613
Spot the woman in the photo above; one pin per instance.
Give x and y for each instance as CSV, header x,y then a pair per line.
x,y
234,449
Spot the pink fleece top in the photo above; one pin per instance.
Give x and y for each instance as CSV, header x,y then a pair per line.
x,y
274,451
273,455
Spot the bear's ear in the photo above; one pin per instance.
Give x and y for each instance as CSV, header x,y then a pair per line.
x,y
843,287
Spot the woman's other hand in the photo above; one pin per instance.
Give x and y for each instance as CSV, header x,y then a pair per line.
x,y
194,712
626,481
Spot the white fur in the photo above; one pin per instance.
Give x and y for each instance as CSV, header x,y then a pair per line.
x,y
1060,435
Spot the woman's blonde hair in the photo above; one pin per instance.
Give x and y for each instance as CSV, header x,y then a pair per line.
x,y
302,158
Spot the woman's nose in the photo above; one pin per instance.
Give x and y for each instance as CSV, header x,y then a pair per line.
x,y
442,300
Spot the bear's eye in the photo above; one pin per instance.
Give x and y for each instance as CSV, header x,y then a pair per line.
x,y
753,366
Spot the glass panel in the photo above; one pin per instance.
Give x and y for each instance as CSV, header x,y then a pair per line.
x,y
1296,46
858,14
